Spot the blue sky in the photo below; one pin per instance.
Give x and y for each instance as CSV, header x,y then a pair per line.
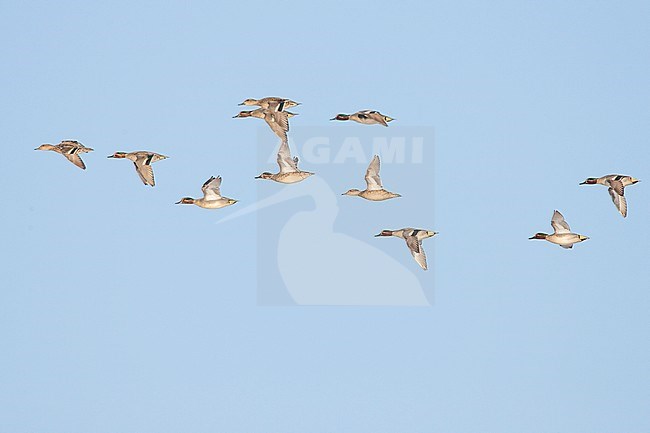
x,y
120,312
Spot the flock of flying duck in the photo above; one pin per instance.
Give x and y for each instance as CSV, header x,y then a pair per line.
x,y
562,234
274,112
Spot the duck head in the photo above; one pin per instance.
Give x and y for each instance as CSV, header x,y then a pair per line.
x,y
186,200
589,181
243,114
352,192
385,233
265,175
118,155
249,102
45,147
341,117
539,236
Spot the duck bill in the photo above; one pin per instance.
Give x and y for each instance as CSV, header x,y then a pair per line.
x,y
582,183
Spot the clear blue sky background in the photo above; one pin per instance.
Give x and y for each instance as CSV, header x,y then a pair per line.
x,y
122,313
